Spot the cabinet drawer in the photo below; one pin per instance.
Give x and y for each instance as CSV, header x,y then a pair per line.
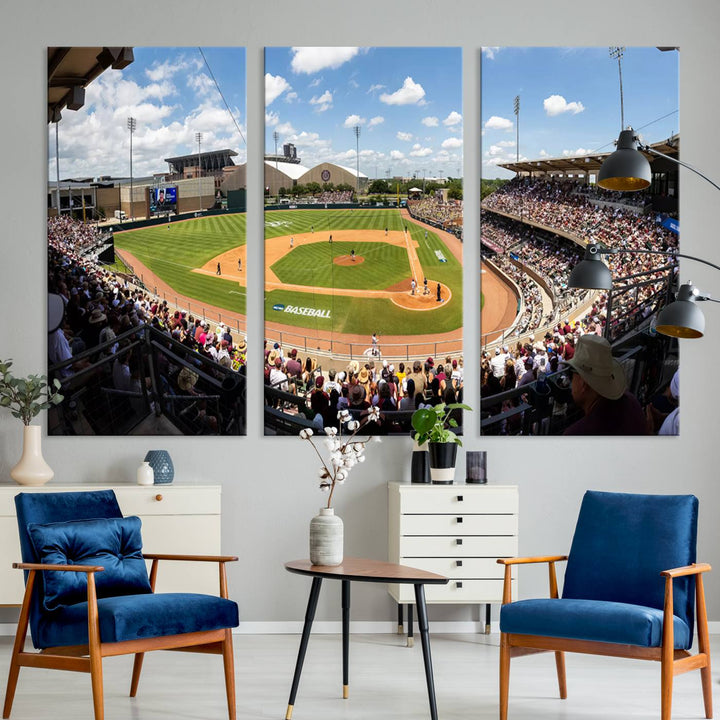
x,y
471,592
448,546
458,525
459,499
459,568
159,500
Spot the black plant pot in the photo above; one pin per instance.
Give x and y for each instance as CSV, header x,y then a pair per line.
x,y
442,462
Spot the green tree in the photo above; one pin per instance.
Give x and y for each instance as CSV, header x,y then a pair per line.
x,y
313,188
379,186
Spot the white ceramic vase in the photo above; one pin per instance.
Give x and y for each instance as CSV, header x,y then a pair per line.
x,y
326,538
145,474
32,468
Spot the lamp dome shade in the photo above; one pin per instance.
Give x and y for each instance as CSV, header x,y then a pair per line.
x,y
627,169
682,318
591,274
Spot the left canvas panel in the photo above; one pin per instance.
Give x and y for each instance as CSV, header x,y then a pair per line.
x,y
146,240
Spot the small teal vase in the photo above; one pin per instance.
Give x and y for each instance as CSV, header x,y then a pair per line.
x,y
162,466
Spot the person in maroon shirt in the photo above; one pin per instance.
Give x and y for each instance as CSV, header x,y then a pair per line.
x,y
599,390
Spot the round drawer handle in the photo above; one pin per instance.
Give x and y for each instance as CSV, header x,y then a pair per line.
x,y
159,497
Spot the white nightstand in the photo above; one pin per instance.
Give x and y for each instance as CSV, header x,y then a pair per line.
x,y
455,530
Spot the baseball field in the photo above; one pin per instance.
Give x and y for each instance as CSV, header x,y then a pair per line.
x,y
358,282
351,271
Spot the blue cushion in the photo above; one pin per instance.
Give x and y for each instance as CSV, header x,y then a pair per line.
x,y
601,621
113,543
623,541
136,617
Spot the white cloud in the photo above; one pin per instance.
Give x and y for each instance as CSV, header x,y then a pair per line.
x,y
353,120
454,118
324,101
275,86
404,136
419,151
310,60
543,153
430,121
557,104
285,128
377,120
506,143
271,118
316,82
411,93
576,153
495,151
490,52
375,88
396,155
452,143
291,97
498,123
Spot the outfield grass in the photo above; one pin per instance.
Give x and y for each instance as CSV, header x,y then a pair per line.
x,y
173,252
352,314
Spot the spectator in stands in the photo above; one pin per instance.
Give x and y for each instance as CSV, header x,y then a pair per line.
x,y
599,390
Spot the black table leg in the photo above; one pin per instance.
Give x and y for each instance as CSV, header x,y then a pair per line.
x,y
400,629
410,637
346,635
309,615
425,640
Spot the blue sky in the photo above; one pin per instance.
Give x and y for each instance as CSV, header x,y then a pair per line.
x,y
406,101
570,100
171,94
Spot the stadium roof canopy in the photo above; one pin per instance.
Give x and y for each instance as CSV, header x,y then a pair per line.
x,y
72,69
352,171
294,172
585,164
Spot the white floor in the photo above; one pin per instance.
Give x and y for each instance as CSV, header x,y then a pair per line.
x,y
387,682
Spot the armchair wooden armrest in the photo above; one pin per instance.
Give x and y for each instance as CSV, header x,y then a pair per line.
x,y
694,569
221,559
68,568
509,562
193,558
528,560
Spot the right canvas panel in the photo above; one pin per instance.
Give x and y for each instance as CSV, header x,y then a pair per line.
x,y
579,224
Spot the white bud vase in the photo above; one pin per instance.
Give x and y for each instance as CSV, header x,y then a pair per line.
x,y
145,474
326,538
32,468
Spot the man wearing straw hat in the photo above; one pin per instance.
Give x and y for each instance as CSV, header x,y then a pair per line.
x,y
599,390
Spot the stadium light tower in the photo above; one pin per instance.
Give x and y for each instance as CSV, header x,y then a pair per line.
x,y
516,108
356,130
198,138
276,137
132,124
616,53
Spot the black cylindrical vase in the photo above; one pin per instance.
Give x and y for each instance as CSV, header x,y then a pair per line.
x,y
420,467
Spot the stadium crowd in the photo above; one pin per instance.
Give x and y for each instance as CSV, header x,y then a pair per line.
x,y
356,386
447,215
102,306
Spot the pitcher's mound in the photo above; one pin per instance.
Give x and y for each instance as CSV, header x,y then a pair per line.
x,y
347,260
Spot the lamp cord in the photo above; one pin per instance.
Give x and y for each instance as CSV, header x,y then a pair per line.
x,y
648,149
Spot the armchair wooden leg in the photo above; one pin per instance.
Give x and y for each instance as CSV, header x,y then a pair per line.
x,y
704,645
96,677
137,667
504,675
229,665
19,645
96,670
562,682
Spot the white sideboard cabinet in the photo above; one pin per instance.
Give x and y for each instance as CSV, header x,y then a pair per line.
x,y
457,530
176,518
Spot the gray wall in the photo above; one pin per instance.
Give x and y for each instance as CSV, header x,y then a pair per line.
x,y
269,484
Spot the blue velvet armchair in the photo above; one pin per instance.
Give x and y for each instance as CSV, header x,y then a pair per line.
x,y
632,589
88,595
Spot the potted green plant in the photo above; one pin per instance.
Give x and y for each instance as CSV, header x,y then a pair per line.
x,y
26,398
433,425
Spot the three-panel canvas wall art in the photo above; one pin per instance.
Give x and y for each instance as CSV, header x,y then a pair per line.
x,y
361,260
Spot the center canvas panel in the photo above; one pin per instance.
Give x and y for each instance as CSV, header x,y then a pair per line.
x,y
363,234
